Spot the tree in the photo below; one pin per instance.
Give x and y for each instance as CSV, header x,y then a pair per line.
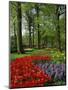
x,y
15,36
19,30
38,26
58,28
13,22
59,11
29,26
29,18
33,32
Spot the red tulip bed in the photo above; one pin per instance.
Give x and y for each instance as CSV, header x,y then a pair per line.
x,y
25,73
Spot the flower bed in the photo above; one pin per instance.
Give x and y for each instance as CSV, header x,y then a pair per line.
x,y
56,71
24,73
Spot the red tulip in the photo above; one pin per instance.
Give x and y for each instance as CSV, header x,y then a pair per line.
x,y
24,73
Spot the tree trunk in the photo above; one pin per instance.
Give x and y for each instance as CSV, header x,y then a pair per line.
x,y
65,29
19,31
38,26
29,27
58,29
15,37
46,41
33,34
52,42
30,40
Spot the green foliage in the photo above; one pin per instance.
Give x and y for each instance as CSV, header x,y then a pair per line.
x,y
56,55
47,21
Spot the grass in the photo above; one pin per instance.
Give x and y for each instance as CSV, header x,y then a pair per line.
x,y
28,52
56,55
13,56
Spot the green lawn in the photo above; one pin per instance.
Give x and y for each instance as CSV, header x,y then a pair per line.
x,y
56,55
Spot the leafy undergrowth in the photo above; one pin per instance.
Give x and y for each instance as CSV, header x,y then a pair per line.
x,y
55,54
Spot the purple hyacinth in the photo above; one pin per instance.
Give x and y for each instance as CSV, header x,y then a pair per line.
x,y
56,71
